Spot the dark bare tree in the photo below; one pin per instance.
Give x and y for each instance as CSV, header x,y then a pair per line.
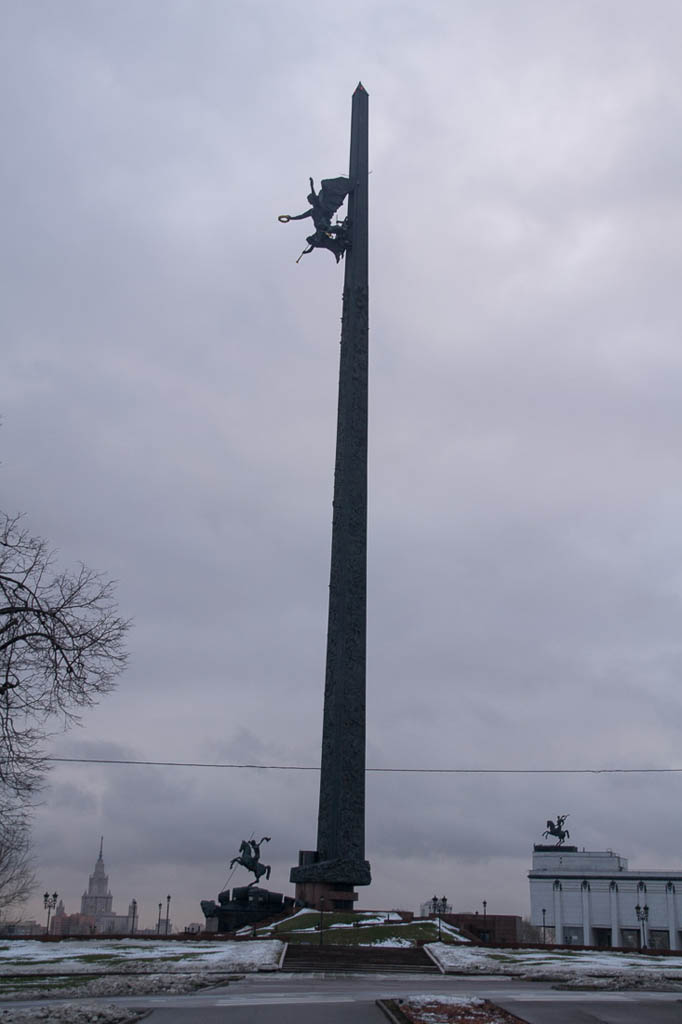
x,y
61,648
529,932
16,869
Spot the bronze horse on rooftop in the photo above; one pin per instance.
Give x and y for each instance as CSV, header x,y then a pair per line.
x,y
557,829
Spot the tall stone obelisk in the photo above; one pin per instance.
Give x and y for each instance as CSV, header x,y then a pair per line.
x,y
331,872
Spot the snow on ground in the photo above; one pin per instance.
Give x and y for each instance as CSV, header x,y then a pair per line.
x,y
107,985
72,1013
453,932
439,1009
449,929
364,923
123,967
393,943
369,919
300,913
558,965
440,998
94,956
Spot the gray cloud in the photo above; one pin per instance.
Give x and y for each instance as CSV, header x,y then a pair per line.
x,y
168,402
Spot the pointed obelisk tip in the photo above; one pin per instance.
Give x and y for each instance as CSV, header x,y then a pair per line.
x,y
360,87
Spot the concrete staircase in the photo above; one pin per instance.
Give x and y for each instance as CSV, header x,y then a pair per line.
x,y
306,957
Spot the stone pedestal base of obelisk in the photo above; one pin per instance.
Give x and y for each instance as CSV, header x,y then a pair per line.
x,y
325,895
328,884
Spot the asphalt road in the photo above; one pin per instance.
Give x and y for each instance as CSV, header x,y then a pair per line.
x,y
316,999
639,1010
357,1012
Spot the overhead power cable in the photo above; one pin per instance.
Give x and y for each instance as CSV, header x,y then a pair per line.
x,y
417,771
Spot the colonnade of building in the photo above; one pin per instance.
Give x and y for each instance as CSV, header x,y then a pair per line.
x,y
591,898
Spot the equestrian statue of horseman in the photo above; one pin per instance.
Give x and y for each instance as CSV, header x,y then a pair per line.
x,y
557,829
249,858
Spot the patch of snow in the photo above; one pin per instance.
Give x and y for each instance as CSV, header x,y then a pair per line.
x,y
299,913
395,943
67,956
446,1000
453,932
72,1013
206,964
115,985
257,955
369,922
554,964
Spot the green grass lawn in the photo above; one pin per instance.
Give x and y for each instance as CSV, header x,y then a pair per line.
x,y
7,987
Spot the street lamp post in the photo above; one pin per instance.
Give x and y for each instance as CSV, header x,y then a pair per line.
x,y
485,935
49,902
321,919
132,926
642,917
168,899
544,934
158,923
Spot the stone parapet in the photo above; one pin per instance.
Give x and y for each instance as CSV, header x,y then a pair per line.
x,y
337,871
325,896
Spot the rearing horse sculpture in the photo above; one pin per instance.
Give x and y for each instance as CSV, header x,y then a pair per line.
x,y
557,829
249,858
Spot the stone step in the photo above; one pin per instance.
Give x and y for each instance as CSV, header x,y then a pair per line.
x,y
406,954
306,957
358,965
354,968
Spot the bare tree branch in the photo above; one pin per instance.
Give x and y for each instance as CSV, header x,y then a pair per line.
x,y
16,869
61,648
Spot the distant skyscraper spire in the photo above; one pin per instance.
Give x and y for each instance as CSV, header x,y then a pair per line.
x,y
97,899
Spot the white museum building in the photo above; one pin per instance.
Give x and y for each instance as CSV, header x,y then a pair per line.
x,y
591,898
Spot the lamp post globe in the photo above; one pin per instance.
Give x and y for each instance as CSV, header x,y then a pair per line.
x,y
49,902
642,917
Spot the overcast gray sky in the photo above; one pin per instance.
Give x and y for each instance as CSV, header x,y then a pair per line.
x,y
168,395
